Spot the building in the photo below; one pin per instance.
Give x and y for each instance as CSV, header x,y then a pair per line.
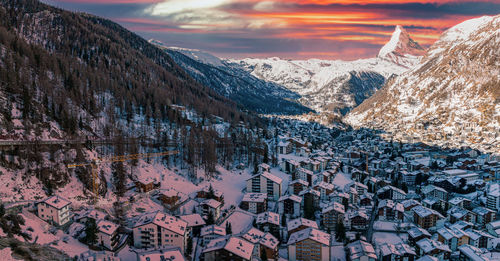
x,y
108,236
263,241
211,232
389,210
165,253
208,206
309,244
493,196
332,215
228,248
290,204
146,184
361,251
452,237
433,248
194,222
425,217
158,230
483,215
254,202
266,182
269,222
54,210
390,192
299,224
401,251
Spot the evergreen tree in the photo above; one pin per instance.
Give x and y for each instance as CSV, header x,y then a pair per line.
x,y
283,220
263,255
189,246
340,233
91,232
404,187
210,218
229,229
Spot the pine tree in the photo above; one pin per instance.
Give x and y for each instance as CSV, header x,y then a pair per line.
x,y
229,229
340,233
263,255
283,220
91,232
189,246
210,218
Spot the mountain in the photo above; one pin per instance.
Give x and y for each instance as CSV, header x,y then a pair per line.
x,y
235,83
336,86
402,49
453,92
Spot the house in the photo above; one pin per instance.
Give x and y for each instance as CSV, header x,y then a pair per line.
x,y
325,189
194,223
433,248
389,210
401,251
269,222
304,174
480,239
357,219
263,241
298,185
332,215
434,191
208,192
146,184
160,229
299,224
390,192
494,228
169,197
289,166
85,214
366,200
165,253
290,204
309,244
211,232
425,217
361,251
254,202
493,196
108,236
210,206
415,234
228,248
452,237
266,182
285,147
471,253
54,210
484,215
460,202
310,196
409,204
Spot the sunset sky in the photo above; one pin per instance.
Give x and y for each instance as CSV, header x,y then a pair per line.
x,y
293,29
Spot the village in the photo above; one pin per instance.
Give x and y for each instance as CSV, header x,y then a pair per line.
x,y
323,194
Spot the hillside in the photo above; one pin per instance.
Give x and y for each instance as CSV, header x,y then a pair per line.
x,y
235,83
452,97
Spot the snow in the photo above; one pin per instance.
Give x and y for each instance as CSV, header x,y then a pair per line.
x,y
6,254
342,181
463,30
391,46
240,221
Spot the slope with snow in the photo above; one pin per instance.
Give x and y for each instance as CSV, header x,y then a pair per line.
x,y
337,86
454,90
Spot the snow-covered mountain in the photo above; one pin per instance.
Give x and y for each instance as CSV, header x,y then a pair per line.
x,y
234,82
402,49
337,86
455,89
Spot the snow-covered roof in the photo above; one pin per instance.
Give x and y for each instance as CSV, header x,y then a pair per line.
x,y
57,202
361,248
211,203
240,247
268,217
291,197
166,221
90,213
415,232
272,177
107,227
169,253
424,212
255,197
337,207
295,223
312,234
398,249
428,245
193,220
213,229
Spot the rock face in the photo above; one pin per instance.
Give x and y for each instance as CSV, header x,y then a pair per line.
x,y
402,49
337,86
455,87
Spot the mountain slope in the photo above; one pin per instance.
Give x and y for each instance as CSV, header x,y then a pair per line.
x,y
323,84
455,88
234,83
402,49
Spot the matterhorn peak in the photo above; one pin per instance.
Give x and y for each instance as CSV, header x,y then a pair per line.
x,y
401,49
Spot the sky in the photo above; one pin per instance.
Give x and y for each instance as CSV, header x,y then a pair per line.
x,y
291,29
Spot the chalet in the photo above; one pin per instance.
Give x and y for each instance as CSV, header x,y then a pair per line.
x,y
170,198
358,220
433,248
325,189
390,192
389,210
231,248
484,215
409,204
211,232
285,147
254,202
194,223
85,214
480,239
298,185
209,193
415,234
332,215
361,251
366,200
457,213
453,238
146,184
160,229
425,217
434,191
401,251
289,166
290,204
304,174
210,206
269,222
460,202
169,253
264,242
299,224
310,196
55,210
108,236
309,244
